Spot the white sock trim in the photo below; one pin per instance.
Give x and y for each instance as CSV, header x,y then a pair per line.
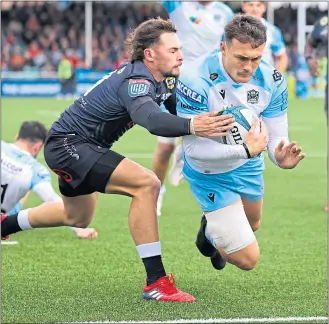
x,y
149,249
23,219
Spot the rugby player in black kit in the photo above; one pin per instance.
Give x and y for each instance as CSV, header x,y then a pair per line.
x,y
77,149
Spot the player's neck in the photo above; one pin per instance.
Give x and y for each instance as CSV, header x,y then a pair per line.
x,y
23,146
156,74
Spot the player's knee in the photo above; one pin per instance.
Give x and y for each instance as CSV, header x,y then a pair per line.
x,y
249,263
151,185
248,260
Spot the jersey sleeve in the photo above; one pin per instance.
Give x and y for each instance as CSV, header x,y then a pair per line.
x,y
134,92
278,46
40,174
46,192
279,100
171,6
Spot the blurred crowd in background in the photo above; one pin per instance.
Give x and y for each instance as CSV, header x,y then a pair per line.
x,y
35,36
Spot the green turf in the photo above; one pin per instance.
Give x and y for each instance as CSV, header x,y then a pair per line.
x,y
52,276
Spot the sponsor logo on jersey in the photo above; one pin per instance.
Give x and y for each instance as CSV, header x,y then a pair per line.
x,y
277,76
252,96
213,76
222,93
138,87
170,82
164,97
324,21
195,20
10,166
189,93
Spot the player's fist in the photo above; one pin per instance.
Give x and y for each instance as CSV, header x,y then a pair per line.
x,y
212,125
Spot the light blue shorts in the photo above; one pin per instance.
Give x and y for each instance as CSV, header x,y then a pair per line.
x,y
215,191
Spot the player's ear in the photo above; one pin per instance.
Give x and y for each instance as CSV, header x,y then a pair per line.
x,y
149,54
37,147
223,47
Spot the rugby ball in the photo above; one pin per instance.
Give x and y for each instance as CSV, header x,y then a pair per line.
x,y
244,118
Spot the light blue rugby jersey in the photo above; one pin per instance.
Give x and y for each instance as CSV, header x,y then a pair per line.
x,y
20,173
275,45
200,28
205,86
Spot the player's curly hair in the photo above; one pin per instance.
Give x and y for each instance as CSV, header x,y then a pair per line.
x,y
147,34
246,29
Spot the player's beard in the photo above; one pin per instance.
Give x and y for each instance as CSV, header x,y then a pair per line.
x,y
172,73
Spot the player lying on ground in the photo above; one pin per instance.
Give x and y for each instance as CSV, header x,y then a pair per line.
x,y
227,180
21,172
77,149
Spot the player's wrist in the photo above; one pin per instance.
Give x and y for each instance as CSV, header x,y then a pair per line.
x,y
191,126
245,146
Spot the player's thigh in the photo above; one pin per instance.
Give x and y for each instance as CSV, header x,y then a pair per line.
x,y
232,235
130,178
253,210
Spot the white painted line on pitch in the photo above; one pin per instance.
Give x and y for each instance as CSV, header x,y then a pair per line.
x,y
9,242
311,319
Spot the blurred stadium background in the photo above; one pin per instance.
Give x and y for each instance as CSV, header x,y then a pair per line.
x,y
50,276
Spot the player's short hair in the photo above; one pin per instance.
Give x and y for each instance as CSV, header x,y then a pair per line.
x,y
147,34
33,131
246,29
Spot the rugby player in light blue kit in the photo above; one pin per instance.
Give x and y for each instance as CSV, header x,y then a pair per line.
x,y
22,173
227,180
275,49
200,27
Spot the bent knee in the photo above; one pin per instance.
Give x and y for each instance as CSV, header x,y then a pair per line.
x,y
150,185
248,257
248,263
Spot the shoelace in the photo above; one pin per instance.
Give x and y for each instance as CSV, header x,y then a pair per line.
x,y
170,285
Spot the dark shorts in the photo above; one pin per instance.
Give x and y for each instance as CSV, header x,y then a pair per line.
x,y
82,167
